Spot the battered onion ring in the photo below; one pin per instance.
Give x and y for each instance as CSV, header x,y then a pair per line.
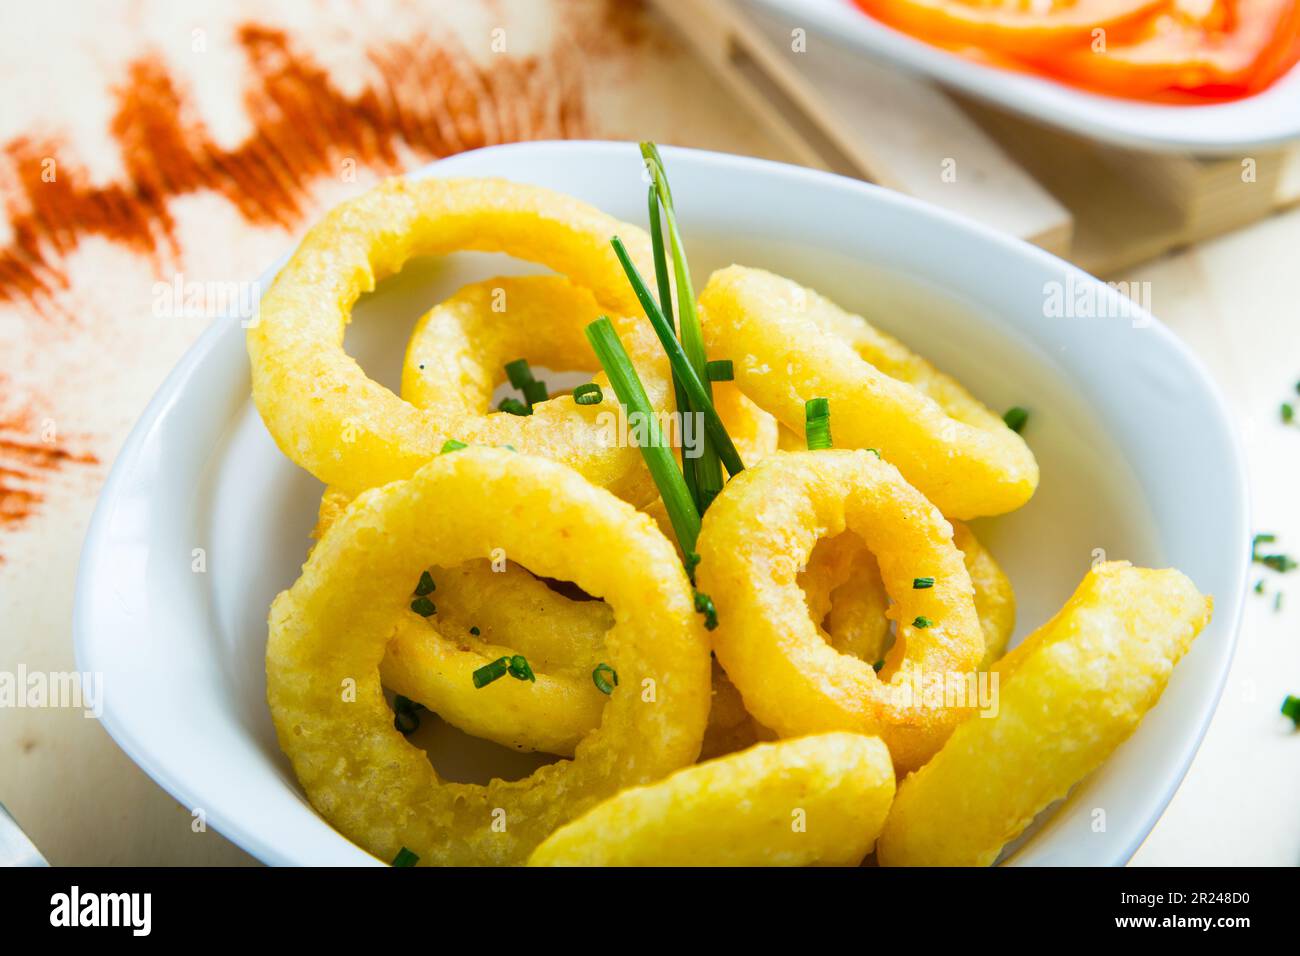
x,y
1068,696
348,430
742,810
789,344
757,533
845,594
329,632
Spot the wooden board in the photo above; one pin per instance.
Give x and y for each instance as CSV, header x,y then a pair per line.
x,y
1105,208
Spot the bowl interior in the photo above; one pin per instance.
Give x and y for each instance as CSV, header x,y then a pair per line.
x,y
182,646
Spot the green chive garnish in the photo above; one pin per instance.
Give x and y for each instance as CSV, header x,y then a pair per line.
x,y
519,669
535,392
475,631
662,280
405,858
424,607
697,391
708,472
452,445
921,584
1291,709
492,671
877,665
1259,539
874,451
704,605
519,373
658,456
513,406
1259,586
720,370
1016,418
405,718
602,682
426,585
817,423
922,621
1288,413
588,394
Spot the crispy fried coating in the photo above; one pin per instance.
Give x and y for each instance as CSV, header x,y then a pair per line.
x,y
1068,695
789,344
348,430
758,533
818,799
329,633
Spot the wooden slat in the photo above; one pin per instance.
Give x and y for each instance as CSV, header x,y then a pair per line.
x,y
843,113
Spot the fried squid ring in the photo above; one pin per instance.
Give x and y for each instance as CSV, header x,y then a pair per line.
x,y
819,799
1070,694
789,344
761,529
318,404
483,615
847,598
459,348
329,633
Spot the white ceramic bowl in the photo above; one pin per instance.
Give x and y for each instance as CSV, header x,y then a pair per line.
x,y
1138,460
1266,119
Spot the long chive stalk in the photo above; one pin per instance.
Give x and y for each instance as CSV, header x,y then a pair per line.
x,y
708,470
696,388
680,398
657,454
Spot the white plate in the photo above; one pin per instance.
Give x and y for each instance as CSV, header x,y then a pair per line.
x,y
1266,119
1136,453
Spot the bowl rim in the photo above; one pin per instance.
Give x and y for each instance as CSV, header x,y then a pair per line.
x,y
93,553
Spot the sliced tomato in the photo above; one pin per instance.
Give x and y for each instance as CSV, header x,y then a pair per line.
x,y
1211,49
1008,26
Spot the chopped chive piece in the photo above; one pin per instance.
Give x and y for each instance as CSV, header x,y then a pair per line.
x,y
426,585
1280,563
920,584
720,370
405,718
601,681
513,406
1016,418
535,392
424,607
405,858
704,605
658,456
588,394
874,451
452,444
1288,413
1258,540
877,665
817,423
519,373
1291,709
475,631
1277,602
697,390
922,621
492,671
519,669
1259,586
